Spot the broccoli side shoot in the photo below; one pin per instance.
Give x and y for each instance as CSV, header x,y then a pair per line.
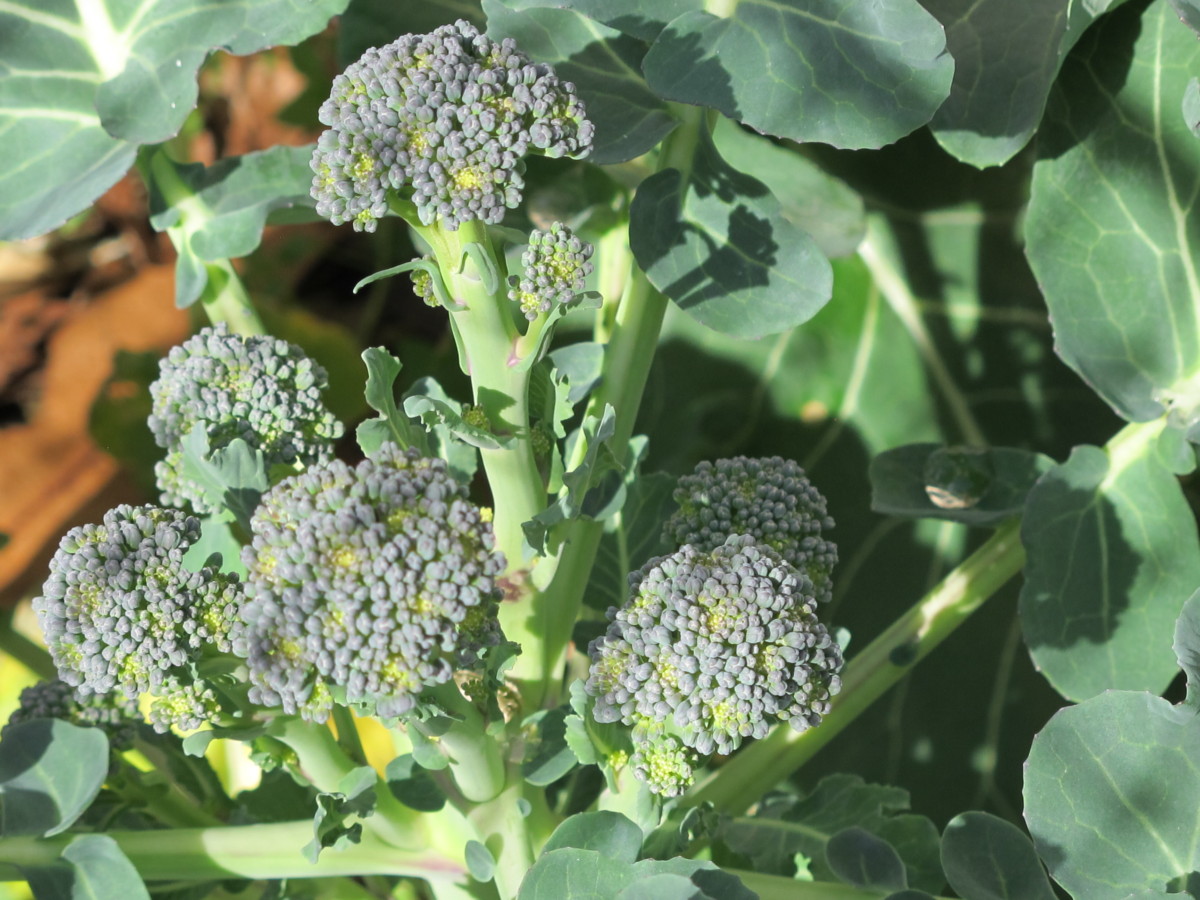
x,y
368,585
263,390
768,498
116,714
444,119
121,612
712,647
554,267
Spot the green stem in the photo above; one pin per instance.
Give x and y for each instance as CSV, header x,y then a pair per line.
x,y
224,296
23,650
627,359
347,735
777,887
324,764
266,851
505,832
476,759
751,773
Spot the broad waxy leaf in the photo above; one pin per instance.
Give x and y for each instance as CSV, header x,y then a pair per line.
x,y
839,802
987,858
630,541
716,244
82,85
573,874
50,772
1111,792
606,832
1112,556
413,785
1110,231
851,73
92,867
959,484
864,860
1006,56
1187,646
605,67
809,197
642,19
1189,12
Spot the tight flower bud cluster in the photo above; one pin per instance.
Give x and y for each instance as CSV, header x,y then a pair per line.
x,y
769,498
263,390
121,612
713,647
444,118
368,584
116,714
554,268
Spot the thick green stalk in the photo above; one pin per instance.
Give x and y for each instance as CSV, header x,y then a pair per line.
x,y
476,757
627,359
504,831
751,773
267,851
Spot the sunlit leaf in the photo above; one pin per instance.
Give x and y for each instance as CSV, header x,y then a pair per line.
x,y
987,858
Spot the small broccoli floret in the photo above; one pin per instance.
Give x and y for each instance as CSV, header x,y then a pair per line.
x,y
422,283
369,584
770,499
260,389
120,611
116,714
444,119
554,268
711,648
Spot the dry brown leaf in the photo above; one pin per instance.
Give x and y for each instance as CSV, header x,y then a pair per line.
x,y
50,469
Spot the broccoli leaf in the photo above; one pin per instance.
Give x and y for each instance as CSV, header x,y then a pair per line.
x,y
1108,231
630,539
218,212
975,486
337,822
91,866
987,858
604,831
78,95
861,858
715,243
551,757
233,478
50,772
851,73
1113,525
413,785
391,424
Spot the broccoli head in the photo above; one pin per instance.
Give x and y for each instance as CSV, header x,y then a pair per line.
x,y
116,714
554,265
712,647
121,611
260,389
444,119
368,584
770,499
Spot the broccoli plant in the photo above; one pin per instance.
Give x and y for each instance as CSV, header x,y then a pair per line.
x,y
519,579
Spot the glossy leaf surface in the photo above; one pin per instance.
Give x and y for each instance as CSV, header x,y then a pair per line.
x,y
987,858
50,771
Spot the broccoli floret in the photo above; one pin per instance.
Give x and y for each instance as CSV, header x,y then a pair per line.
x,y
712,647
368,584
769,498
116,714
121,612
444,119
554,268
422,283
260,389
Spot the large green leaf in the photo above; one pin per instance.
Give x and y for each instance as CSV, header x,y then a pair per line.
x,y
1112,556
987,858
716,244
50,772
1111,231
1111,792
1006,56
809,197
642,19
1189,12
81,85
604,65
92,867
373,23
851,73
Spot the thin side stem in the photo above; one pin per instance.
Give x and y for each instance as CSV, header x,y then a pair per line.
x,y
887,659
